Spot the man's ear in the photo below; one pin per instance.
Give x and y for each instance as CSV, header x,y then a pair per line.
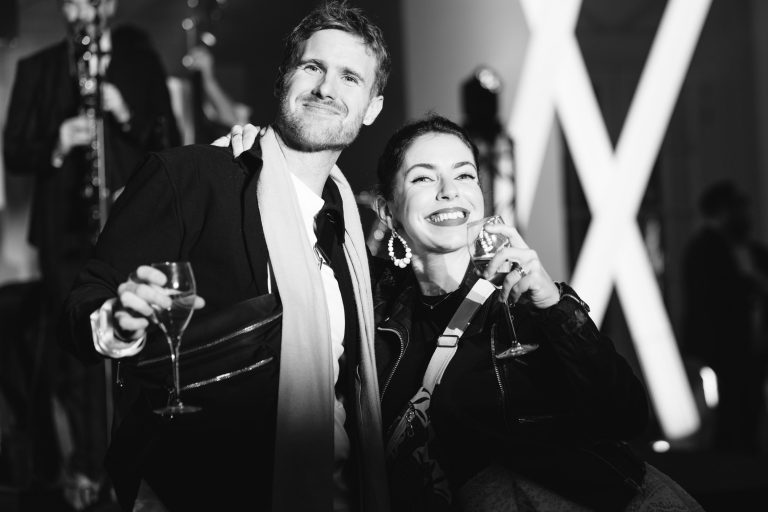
x,y
372,112
382,208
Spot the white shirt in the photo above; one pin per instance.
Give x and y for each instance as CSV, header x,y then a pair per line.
x,y
310,204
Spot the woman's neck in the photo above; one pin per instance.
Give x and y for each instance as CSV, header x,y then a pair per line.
x,y
440,273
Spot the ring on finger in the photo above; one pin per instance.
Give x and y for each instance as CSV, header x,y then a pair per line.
x,y
521,270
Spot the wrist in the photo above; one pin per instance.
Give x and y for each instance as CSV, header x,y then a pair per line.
x,y
567,293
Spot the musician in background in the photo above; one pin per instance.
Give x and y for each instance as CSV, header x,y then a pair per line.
x,y
221,111
51,132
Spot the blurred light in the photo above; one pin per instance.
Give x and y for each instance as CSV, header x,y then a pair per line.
x,y
709,386
208,39
555,80
660,446
488,79
187,24
191,4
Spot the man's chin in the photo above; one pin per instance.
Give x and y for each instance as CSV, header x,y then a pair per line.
x,y
311,139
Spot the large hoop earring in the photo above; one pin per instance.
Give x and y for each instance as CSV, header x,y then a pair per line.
x,y
406,259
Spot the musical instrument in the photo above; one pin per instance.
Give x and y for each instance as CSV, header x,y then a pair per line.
x,y
88,64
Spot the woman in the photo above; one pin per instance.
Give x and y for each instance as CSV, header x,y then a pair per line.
x,y
556,416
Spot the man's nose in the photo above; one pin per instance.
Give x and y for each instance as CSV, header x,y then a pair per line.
x,y
326,87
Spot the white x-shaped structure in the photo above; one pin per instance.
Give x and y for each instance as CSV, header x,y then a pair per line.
x,y
554,79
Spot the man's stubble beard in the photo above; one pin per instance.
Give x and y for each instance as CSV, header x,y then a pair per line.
x,y
302,134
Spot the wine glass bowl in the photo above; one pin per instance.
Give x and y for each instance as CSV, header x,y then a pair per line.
x,y
483,246
173,320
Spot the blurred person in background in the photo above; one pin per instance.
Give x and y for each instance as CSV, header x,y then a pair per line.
x,y
52,132
725,272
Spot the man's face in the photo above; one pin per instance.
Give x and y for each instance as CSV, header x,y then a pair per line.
x,y
327,95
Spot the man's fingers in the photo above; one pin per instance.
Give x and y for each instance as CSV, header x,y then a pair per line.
x,y
129,323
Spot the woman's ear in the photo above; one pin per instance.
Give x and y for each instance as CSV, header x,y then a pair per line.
x,y
382,208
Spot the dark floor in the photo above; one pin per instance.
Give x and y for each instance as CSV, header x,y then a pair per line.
x,y
721,482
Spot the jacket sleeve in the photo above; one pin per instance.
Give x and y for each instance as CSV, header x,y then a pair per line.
x,y
144,226
602,393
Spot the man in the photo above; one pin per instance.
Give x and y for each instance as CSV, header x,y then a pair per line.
x,y
49,133
725,278
308,442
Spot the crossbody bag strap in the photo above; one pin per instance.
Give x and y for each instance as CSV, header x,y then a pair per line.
x,y
448,342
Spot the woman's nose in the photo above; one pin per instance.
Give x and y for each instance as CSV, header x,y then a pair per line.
x,y
448,190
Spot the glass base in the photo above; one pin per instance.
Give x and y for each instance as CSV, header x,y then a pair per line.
x,y
169,411
517,351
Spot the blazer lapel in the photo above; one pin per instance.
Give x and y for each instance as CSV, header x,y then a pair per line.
x,y
253,232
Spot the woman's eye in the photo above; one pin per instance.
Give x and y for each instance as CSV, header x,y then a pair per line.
x,y
421,179
467,176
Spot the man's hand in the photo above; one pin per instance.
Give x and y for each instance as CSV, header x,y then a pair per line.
x,y
113,102
133,310
240,138
75,131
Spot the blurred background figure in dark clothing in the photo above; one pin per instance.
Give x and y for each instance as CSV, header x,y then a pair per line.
x,y
480,103
221,111
726,320
82,114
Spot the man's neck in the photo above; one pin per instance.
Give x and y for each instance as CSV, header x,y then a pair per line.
x,y
312,168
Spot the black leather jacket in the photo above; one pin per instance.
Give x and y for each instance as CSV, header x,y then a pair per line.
x,y
559,414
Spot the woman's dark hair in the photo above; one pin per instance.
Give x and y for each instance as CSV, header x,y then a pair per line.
x,y
336,15
394,152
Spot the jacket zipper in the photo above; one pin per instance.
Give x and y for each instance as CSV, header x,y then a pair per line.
x,y
504,405
228,375
397,362
222,339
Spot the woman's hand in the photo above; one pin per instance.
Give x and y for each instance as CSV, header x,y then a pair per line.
x,y
527,277
240,138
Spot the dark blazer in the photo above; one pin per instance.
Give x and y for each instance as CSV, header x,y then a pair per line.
x,y
45,93
198,204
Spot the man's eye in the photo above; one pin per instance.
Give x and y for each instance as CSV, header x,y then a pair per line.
x,y
314,68
351,79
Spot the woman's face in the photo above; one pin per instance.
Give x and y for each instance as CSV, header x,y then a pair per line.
x,y
435,194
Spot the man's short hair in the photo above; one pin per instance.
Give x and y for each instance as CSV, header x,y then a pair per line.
x,y
336,15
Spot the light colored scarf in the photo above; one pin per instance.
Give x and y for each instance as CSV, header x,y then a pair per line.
x,y
304,451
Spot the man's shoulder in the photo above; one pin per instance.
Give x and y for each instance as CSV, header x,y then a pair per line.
x,y
202,159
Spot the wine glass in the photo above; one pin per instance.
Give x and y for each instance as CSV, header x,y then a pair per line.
x,y
483,246
180,287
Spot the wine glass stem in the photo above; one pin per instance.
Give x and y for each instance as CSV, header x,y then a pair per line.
x,y
175,343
